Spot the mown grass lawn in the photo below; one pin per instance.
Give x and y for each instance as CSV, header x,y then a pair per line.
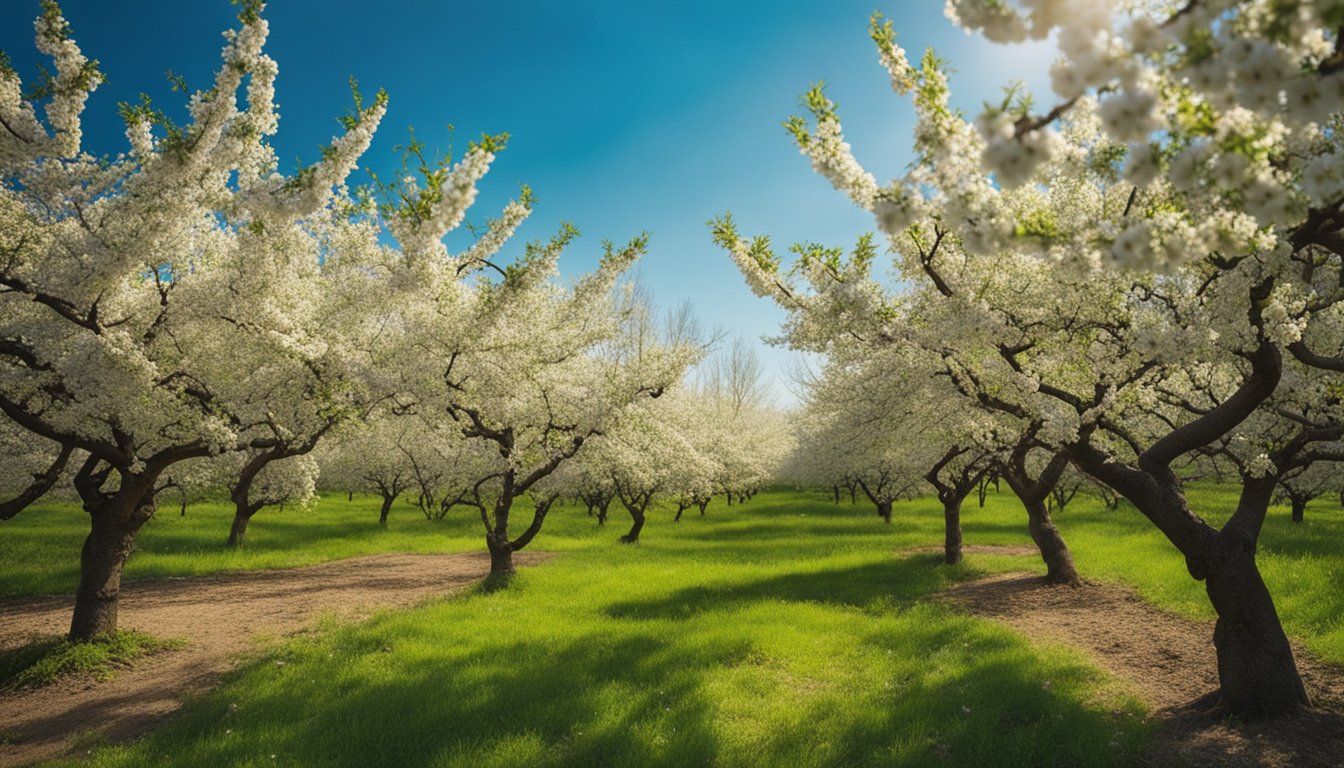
x,y
788,631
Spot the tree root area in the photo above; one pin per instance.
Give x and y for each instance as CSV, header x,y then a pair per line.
x,y
221,617
1169,661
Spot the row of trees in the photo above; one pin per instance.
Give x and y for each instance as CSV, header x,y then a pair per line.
x,y
184,314
1146,275
702,438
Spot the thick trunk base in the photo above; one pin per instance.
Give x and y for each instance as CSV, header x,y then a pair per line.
x,y
100,565
1059,568
633,535
238,532
952,532
501,558
1256,670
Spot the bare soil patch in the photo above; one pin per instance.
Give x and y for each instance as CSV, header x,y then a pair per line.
x,y
1169,660
221,617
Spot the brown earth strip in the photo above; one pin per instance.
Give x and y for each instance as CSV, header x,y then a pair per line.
x,y
1169,660
221,617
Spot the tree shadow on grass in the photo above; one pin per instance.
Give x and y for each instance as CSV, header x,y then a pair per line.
x,y
870,585
631,695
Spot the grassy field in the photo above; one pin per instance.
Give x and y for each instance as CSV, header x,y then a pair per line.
x,y
39,549
785,632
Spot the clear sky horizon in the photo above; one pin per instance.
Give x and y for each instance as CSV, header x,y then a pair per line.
x,y
624,117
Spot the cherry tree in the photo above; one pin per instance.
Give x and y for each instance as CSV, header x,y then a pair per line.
x,y
1302,485
1178,209
115,273
521,363
370,457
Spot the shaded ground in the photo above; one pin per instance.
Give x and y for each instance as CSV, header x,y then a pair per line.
x,y
221,617
977,549
1169,660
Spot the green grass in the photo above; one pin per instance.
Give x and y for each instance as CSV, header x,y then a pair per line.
x,y
39,549
47,660
1302,563
786,631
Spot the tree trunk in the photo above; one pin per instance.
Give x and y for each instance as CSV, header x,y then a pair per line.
x,y
110,541
349,496
835,491
703,504
680,508
602,510
501,555
1058,561
238,531
636,514
385,510
952,530
1255,662
729,494
884,511
1299,509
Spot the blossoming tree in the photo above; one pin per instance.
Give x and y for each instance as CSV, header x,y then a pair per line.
x,y
1167,240
113,271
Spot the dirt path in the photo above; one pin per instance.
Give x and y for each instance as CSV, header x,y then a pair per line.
x,y
220,617
1169,660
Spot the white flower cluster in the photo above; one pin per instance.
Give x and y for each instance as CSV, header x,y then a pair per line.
x,y
896,208
1013,158
424,238
496,236
760,280
68,92
832,158
1285,316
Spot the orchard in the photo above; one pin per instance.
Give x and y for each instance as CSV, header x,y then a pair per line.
x,y
1106,316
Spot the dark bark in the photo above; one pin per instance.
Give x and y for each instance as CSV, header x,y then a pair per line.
x,y
637,516
1256,671
1033,492
115,519
703,504
835,492
1060,496
1299,509
636,504
101,560
238,530
501,555
982,487
954,489
884,511
1059,568
681,507
385,509
952,530
243,506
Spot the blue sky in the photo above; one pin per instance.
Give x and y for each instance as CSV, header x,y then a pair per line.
x,y
624,117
